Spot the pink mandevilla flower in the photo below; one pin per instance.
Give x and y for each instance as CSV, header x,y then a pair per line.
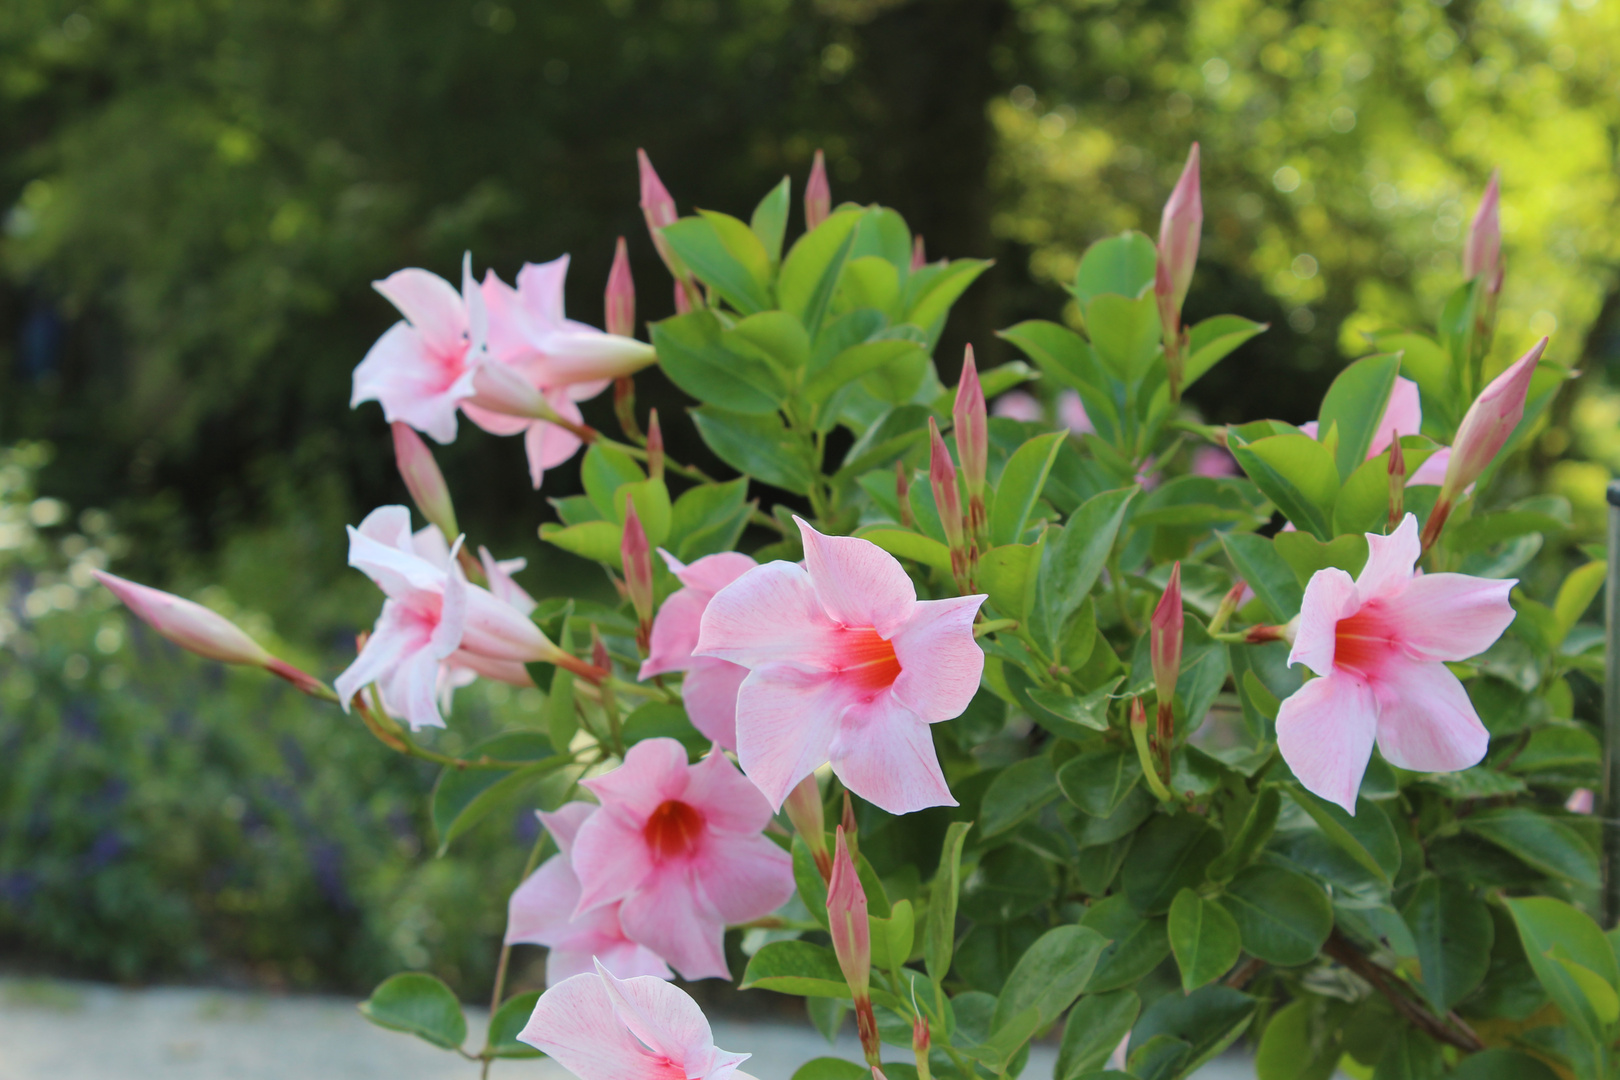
x,y
679,848
845,665
599,1027
541,912
1380,644
710,687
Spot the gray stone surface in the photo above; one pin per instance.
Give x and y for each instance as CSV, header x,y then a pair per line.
x,y
52,1030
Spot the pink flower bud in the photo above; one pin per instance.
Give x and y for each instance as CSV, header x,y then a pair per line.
x,y
1165,638
188,624
1482,251
817,194
846,915
423,479
500,389
621,294
902,492
636,554
655,446
683,302
659,209
972,426
1488,423
1178,236
803,806
920,1036
942,477
919,253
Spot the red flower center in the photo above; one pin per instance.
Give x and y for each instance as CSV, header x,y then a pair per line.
x,y
1362,641
868,660
673,830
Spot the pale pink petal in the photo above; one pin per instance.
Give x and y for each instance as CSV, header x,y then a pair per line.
x,y
400,576
622,957
1309,428
709,692
940,663
1390,560
413,384
540,291
428,543
1433,469
452,625
496,423
670,915
1017,405
786,720
391,527
587,355
769,615
501,586
431,305
611,859
411,690
663,1017
1425,721
548,445
1402,416
499,631
712,573
1329,596
575,1024
390,639
884,753
725,798
1072,413
654,771
1325,732
510,672
674,633
857,582
542,907
509,329
747,877
1450,616
584,391
564,822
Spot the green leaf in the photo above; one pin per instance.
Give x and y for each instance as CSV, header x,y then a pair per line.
x,y
1367,837
1137,944
812,889
1576,594
1072,717
1305,554
1059,351
1294,1048
652,507
934,300
462,797
1204,939
691,354
810,272
1209,342
1282,916
1268,574
869,281
904,544
774,336
561,719
1020,485
1553,932
1073,560
1298,474
1098,782
420,1005
1363,502
1160,1057
1050,975
1171,853
1009,573
1124,334
760,446
1207,1021
769,220
1355,403
726,254
1094,1027
1452,929
1123,265
598,541
1410,1055
507,1023
1251,836
1544,843
859,362
796,967
1008,883
940,941
603,470
1501,1065
831,1068
1017,792
662,720
708,519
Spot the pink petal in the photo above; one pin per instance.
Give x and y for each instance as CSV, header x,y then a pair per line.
x,y
509,331
674,633
575,1023
653,772
429,543
540,291
587,355
509,672
1329,596
1425,721
786,720
664,1018
548,445
1390,560
728,802
1402,416
712,573
411,690
542,907
884,753
499,631
769,615
622,957
401,576
1433,469
611,858
1309,428
413,384
1450,616
431,304
940,663
671,917
501,585
496,423
391,527
857,582
746,877
564,822
584,391
390,639
447,635
710,695
1325,732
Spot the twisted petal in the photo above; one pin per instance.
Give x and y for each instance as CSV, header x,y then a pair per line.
x,y
669,1023
390,639
540,291
1329,597
674,633
1390,561
1426,722
564,822
431,305
884,753
1325,732
575,1023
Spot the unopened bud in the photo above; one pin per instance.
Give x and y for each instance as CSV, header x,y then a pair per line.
x,y
942,478
620,300
852,940
1482,251
636,554
599,650
817,194
1165,638
919,253
624,407
658,207
902,493
847,823
1489,422
971,421
1397,482
423,479
803,807
683,299
655,447
920,1038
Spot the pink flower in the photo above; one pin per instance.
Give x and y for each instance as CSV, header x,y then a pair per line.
x,y
1580,801
679,848
1072,414
1179,228
1482,250
421,369
710,687
541,912
1380,644
1489,422
845,665
971,427
423,479
599,1027
1017,405
817,194
1212,461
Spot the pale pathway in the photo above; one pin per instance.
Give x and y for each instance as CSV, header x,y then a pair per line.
x,y
87,1031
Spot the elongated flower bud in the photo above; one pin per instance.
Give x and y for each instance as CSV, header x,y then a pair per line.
x,y
620,300
624,407
1482,251
972,437
852,941
920,1038
942,478
803,806
636,554
1179,229
817,194
1488,423
423,479
1166,629
655,447
658,207
902,492
919,253
1397,483
683,299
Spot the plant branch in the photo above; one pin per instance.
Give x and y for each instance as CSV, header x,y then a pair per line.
x,y
1384,981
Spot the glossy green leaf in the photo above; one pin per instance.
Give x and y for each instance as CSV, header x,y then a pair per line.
x,y
1576,594
1268,574
1058,351
940,941
462,797
1137,944
507,1023
1099,781
1017,792
1050,974
1020,485
760,446
858,362
1293,1047
691,354
769,220
1171,854
1210,342
1207,1020
1367,837
420,1005
1094,1027
810,272
1204,939
598,541
1298,474
1543,842
1252,835
708,519
1073,560
1452,929
774,336
1124,334
932,302
1009,574
1501,1065
1355,403
1283,917
904,544
1305,554
1554,933
831,1068
1122,264
727,255
1072,716
1363,502
796,967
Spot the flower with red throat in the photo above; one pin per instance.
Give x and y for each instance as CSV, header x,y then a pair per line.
x,y
541,912
599,1027
845,665
710,687
679,848
1380,644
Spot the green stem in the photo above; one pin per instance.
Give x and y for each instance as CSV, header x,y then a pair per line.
x,y
1150,770
991,626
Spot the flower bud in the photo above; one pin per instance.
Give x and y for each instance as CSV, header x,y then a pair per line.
x,y
902,493
1165,638
659,209
500,389
852,941
636,554
1482,251
655,447
971,420
683,299
1489,422
1397,482
620,300
423,479
624,407
919,253
942,478
803,806
817,194
1179,230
